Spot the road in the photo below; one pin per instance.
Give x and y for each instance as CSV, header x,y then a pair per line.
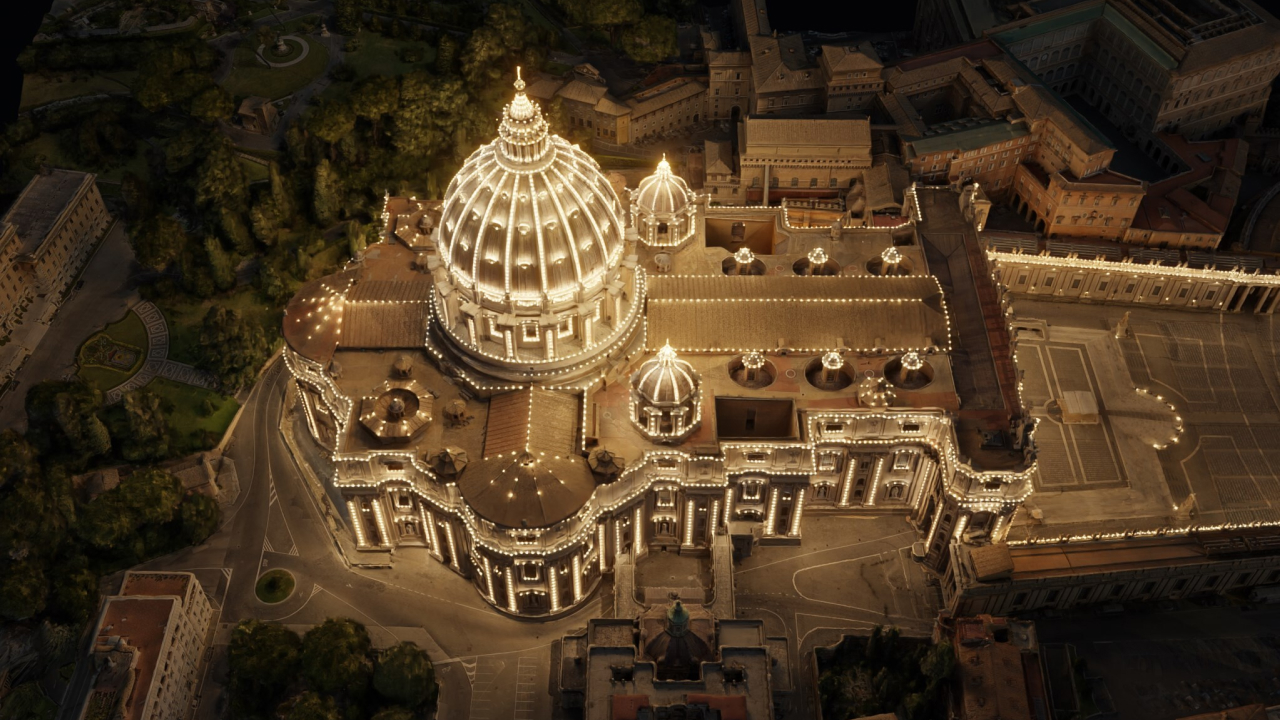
x,y
851,573
485,661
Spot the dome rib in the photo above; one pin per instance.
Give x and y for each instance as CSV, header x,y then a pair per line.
x,y
568,228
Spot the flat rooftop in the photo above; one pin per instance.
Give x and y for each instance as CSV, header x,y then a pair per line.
x,y
1217,376
141,623
40,204
150,584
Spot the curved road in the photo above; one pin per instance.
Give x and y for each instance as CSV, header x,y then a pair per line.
x,y
275,523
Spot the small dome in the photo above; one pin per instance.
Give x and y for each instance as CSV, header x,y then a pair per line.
x,y
665,379
663,193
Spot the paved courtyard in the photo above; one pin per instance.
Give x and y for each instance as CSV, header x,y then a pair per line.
x,y
1189,409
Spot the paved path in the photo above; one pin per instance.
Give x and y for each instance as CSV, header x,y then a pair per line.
x,y
106,295
158,363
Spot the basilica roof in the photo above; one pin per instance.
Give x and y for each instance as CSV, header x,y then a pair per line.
x,y
711,313
529,218
530,474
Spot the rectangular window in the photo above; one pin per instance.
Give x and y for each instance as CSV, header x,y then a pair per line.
x,y
1048,281
1075,283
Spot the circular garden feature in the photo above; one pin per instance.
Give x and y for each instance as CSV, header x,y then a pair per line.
x,y
274,586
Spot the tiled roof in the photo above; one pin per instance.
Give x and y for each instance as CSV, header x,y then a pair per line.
x,y
716,313
806,131
843,58
779,64
678,90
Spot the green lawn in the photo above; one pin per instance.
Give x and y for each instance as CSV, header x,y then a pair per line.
x,y
185,318
39,90
254,172
274,586
381,56
188,416
128,331
250,77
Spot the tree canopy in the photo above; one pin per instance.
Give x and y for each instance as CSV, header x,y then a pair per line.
x,y
405,675
264,659
335,657
231,348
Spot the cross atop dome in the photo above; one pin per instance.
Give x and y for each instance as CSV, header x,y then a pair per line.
x,y
664,167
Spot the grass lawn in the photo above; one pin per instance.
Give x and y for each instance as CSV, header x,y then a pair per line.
x,y
381,56
274,586
188,415
185,317
127,331
250,77
254,172
38,90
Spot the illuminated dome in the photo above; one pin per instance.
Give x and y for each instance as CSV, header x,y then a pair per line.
x,y
533,281
665,379
530,219
664,397
664,208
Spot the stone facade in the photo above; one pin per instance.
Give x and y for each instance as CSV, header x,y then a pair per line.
x,y
46,237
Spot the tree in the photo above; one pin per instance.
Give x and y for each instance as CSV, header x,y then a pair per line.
x,y
23,590
105,522
137,196
158,241
281,192
63,418
651,40
431,112
325,198
200,515
150,496
234,230
405,676
313,706
220,264
335,657
231,348
73,592
264,660
212,104
148,436
331,122
446,52
373,98
265,220
346,15
220,180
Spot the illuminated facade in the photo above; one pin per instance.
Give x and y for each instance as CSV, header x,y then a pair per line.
x,y
458,376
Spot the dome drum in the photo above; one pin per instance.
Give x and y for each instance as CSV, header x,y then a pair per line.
x,y
545,344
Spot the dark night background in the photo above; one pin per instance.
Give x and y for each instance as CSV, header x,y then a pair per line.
x,y
22,19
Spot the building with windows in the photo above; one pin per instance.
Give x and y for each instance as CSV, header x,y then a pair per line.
x,y
1183,67
532,381
147,648
801,157
46,236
